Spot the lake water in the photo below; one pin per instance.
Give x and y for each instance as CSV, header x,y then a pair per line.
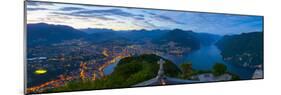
x,y
203,59
110,68
206,57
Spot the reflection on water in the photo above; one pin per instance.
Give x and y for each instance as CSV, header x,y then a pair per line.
x,y
110,68
202,59
206,57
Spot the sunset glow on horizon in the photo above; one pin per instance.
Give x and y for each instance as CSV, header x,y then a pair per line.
x,y
85,16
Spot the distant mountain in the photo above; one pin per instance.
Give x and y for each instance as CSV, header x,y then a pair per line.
x,y
245,49
207,38
101,35
95,30
44,34
187,38
181,38
131,35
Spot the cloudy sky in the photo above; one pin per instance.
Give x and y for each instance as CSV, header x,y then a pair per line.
x,y
84,16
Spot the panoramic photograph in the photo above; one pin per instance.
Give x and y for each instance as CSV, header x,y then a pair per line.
x,y
75,47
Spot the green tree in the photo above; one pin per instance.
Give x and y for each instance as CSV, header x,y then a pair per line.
x,y
219,69
186,69
129,71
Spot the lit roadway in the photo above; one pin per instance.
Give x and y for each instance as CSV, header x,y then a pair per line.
x,y
62,80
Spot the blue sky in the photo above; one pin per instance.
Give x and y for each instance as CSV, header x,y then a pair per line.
x,y
84,16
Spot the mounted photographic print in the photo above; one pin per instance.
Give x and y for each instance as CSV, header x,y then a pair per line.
x,y
77,47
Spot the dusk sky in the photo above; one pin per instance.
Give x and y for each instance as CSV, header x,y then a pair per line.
x,y
84,16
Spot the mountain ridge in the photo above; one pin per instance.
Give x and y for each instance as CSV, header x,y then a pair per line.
x,y
44,34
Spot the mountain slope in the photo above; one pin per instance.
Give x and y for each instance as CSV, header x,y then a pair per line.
x,y
207,39
180,38
245,49
45,34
